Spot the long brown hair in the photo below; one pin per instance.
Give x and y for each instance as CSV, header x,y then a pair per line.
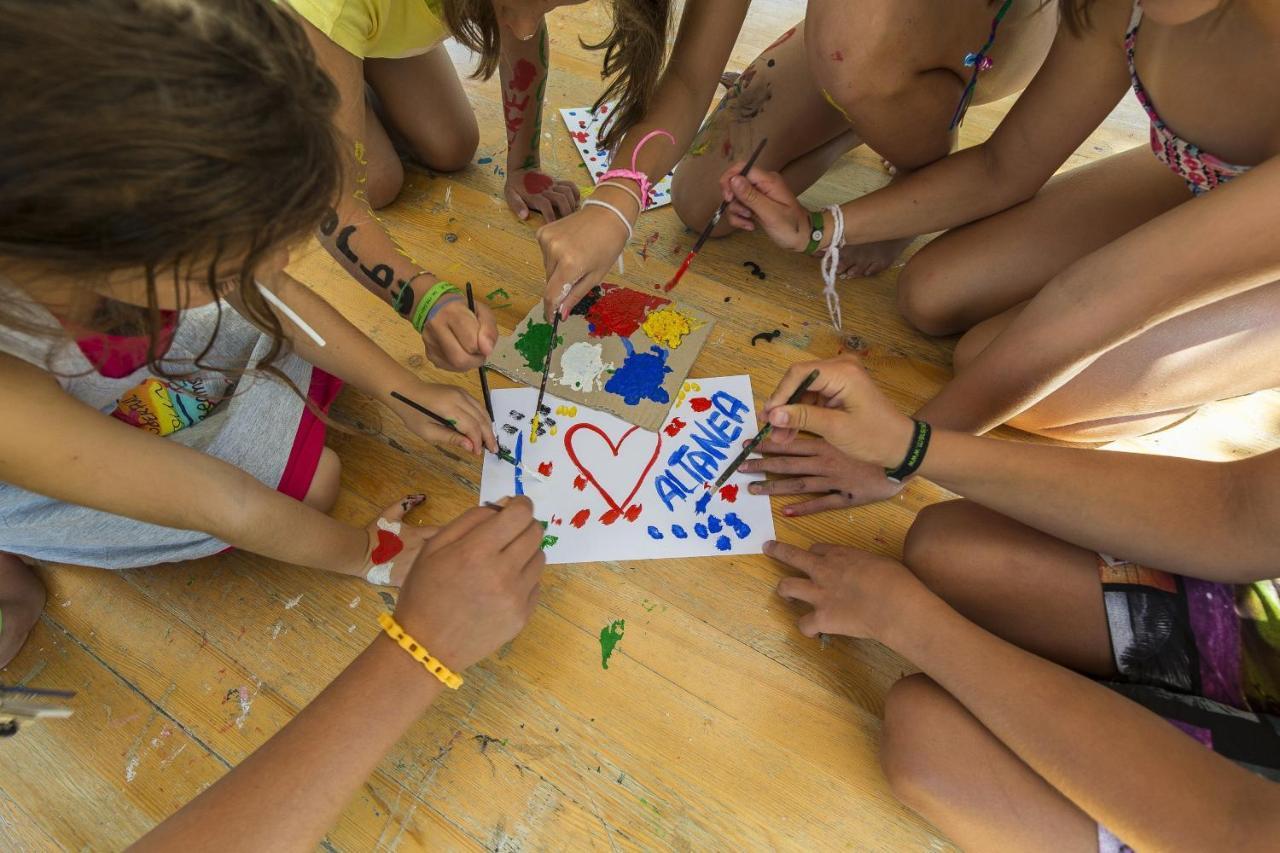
x,y
634,53
168,137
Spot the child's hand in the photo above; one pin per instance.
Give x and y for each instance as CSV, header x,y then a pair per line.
x,y
458,339
813,466
529,188
475,583
845,407
764,198
393,545
853,593
468,414
578,252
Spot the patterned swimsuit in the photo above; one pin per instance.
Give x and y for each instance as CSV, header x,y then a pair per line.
x,y
1201,170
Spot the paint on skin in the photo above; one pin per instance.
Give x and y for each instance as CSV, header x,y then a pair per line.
x,y
620,311
654,533
610,636
781,39
723,543
700,404
536,182
534,342
580,518
673,428
581,366
641,376
387,599
739,527
729,494
701,506
679,532
839,109
669,327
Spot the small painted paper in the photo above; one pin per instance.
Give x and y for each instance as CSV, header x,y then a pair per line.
x,y
608,490
584,130
621,351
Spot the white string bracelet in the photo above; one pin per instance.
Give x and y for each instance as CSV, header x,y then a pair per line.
x,y
290,313
830,263
595,202
626,189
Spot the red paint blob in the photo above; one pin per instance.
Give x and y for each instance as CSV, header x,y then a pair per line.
x,y
555,519
523,75
545,469
389,545
610,517
684,267
581,518
838,56
727,150
580,135
536,182
699,404
633,512
729,494
782,38
580,483
673,428
620,311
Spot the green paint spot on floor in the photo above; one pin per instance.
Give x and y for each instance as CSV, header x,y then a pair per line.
x,y
610,636
534,342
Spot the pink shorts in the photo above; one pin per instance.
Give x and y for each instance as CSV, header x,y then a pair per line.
x,y
308,443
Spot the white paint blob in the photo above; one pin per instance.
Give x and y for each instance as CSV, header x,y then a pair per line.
x,y
581,366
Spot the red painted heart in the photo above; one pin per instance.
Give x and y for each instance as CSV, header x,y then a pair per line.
x,y
614,449
389,545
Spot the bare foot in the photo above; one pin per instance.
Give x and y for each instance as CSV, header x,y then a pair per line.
x,y
870,258
21,600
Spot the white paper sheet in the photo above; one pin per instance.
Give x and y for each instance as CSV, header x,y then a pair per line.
x,y
612,491
584,130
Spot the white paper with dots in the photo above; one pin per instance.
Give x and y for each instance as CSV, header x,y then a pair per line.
x,y
584,129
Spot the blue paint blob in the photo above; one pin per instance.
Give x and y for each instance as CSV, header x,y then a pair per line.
x,y
679,532
701,506
640,376
713,523
655,532
739,527
519,454
701,530
485,161
722,544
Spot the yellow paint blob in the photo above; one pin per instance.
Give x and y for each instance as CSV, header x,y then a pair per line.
x,y
668,327
359,153
685,390
533,429
567,411
839,109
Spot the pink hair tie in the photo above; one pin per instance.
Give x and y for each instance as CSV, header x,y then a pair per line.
x,y
646,189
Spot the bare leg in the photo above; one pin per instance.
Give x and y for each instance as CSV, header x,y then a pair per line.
x,y
423,103
975,272
323,491
384,171
21,600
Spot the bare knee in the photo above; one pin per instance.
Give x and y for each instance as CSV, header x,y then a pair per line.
x,y
385,178
924,296
323,492
695,195
920,719
937,536
457,149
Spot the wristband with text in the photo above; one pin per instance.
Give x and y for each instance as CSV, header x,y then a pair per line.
x,y
423,312
815,236
915,454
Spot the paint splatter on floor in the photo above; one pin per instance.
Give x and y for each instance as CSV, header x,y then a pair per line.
x,y
580,518
641,376
668,327
654,533
387,599
610,636
649,241
755,270
673,428
723,544
581,366
699,404
729,493
533,344
620,311
768,337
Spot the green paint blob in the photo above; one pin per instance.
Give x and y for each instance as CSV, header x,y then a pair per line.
x,y
534,342
548,541
610,636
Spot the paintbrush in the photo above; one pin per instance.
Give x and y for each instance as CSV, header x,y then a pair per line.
x,y
484,377
546,371
715,220
764,432
502,453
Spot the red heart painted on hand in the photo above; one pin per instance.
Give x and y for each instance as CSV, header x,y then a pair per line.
x,y
389,545
614,449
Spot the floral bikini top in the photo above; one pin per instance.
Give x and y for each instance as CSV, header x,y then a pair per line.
x,y
1201,170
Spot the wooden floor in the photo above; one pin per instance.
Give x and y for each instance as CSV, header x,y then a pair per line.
x,y
716,726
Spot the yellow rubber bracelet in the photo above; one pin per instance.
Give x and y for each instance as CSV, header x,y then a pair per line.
x,y
447,676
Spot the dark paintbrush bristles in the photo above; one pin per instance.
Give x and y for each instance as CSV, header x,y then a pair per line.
x,y
764,431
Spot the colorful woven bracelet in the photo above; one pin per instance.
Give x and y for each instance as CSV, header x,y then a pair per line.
x,y
423,312
815,236
447,676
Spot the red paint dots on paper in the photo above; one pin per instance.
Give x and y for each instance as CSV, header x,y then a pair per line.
x,y
580,135
545,469
610,517
699,404
673,428
729,494
633,512
580,483
555,519
581,518
536,182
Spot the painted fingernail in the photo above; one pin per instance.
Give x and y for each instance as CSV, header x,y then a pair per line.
x,y
788,512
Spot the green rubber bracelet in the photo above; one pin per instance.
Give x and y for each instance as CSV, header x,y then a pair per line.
x,y
815,236
420,314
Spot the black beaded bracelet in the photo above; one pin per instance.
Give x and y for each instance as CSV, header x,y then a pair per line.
x,y
915,454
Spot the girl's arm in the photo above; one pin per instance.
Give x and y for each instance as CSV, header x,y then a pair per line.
x,y
471,591
1146,781
580,249
81,456
456,339
523,69
1148,276
1081,81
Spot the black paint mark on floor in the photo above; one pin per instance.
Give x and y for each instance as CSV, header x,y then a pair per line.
x,y
766,336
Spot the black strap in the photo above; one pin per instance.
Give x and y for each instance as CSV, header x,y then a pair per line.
x,y
915,454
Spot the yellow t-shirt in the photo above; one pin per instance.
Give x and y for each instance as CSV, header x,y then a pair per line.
x,y
376,29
